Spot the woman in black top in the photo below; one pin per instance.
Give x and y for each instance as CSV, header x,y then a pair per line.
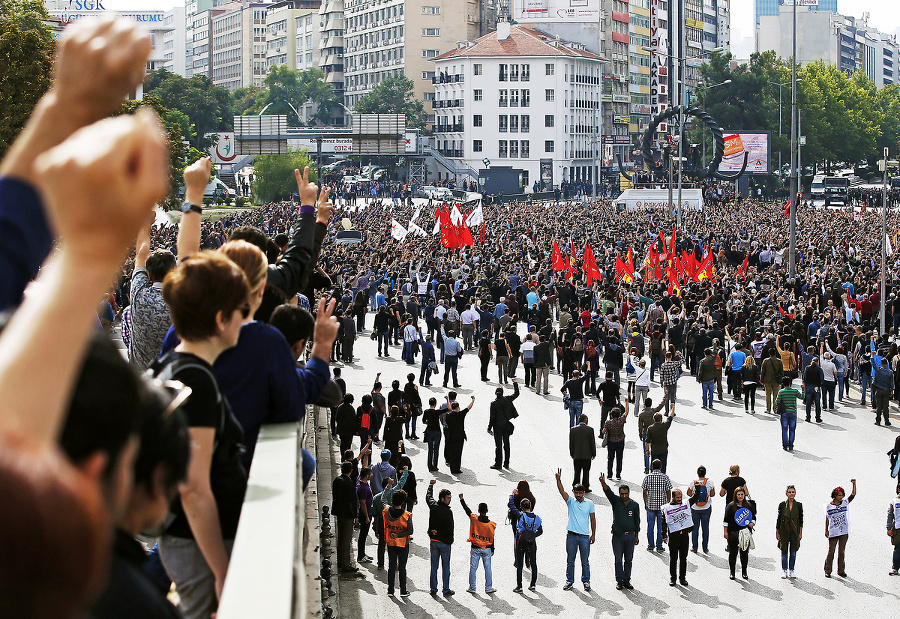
x,y
412,496
393,433
737,520
485,354
413,405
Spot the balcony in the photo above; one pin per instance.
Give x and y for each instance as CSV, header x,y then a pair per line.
x,y
458,154
457,128
444,78
447,103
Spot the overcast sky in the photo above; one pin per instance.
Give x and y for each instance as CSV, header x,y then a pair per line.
x,y
885,15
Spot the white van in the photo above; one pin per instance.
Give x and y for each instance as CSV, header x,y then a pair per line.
x,y
817,189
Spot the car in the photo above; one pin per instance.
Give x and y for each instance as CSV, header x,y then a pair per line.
x,y
435,193
348,237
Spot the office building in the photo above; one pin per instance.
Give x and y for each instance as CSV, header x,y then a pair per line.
x,y
771,7
174,41
282,22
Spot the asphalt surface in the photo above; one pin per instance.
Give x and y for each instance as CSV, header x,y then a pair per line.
x,y
846,445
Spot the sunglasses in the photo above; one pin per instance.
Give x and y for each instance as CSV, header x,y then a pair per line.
x,y
244,310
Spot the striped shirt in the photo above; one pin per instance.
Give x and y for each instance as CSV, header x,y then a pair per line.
x,y
789,397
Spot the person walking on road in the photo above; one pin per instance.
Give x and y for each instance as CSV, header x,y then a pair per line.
x,y
431,417
668,380
837,528
503,411
456,435
481,536
440,533
771,374
580,532
706,376
614,435
582,449
786,404
657,491
893,531
789,530
740,518
883,386
345,509
608,395
626,530
398,529
700,495
677,526
658,439
574,388
528,528
453,352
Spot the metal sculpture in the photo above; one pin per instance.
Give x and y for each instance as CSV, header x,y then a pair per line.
x,y
693,151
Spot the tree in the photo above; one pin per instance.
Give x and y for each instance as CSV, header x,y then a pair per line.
x,y
206,105
248,100
286,86
275,175
394,96
26,58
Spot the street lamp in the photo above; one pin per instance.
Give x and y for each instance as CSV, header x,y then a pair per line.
x,y
779,119
705,89
681,61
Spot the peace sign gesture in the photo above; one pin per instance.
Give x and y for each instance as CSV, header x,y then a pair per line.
x,y
307,190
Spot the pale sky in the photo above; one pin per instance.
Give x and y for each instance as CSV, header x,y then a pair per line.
x,y
884,15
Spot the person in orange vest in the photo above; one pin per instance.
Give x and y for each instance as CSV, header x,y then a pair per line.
x,y
398,530
481,535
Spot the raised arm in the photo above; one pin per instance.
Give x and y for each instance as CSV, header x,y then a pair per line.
x,y
559,486
196,178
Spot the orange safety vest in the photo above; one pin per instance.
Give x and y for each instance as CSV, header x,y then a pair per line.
x,y
395,526
481,534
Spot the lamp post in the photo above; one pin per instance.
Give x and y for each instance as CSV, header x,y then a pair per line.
x,y
705,90
795,181
681,61
779,119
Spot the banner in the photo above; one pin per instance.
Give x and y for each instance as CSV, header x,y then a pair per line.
x,y
754,143
397,230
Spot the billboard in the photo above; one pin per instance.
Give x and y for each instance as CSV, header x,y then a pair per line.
x,y
560,11
659,46
225,149
738,143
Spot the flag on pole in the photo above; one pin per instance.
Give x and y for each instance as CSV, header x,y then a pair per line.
x,y
622,273
465,236
706,269
787,208
437,221
742,270
475,217
591,271
557,259
481,238
456,217
418,212
397,230
887,245
415,229
629,262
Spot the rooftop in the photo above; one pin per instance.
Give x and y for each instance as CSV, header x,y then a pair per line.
x,y
522,41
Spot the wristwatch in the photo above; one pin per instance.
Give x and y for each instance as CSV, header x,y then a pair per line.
x,y
190,207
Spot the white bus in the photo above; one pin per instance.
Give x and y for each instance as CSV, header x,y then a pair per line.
x,y
817,189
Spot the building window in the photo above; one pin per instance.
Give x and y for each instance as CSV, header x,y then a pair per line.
x,y
526,72
526,97
431,32
476,146
428,96
514,149
514,73
548,146
525,177
503,124
427,75
477,69
504,98
503,73
478,94
549,120
501,149
525,148
476,120
526,123
513,124
549,95
430,53
431,10
514,98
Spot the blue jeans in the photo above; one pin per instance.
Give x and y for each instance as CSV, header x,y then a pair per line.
x,y
575,408
813,396
789,552
433,438
865,382
654,525
645,446
480,555
440,552
701,520
450,366
708,389
623,551
788,427
839,377
578,543
383,338
407,353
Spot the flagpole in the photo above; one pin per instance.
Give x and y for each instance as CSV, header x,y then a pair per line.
x,y
792,257
884,207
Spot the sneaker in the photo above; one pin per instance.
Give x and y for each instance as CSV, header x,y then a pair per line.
x,y
683,582
531,588
893,573
404,594
785,574
518,590
433,592
365,559
587,586
672,582
827,574
619,586
471,590
496,467
449,592
567,586
842,574
491,590
791,574
390,593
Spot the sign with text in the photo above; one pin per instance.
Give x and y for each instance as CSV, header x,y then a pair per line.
x,y
756,144
556,11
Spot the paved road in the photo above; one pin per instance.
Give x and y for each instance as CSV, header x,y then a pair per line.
x,y
846,445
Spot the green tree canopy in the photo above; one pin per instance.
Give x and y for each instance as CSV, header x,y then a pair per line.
x,y
206,105
248,100
394,96
284,86
26,58
275,175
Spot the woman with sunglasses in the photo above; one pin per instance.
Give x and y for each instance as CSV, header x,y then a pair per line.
x,y
789,530
207,297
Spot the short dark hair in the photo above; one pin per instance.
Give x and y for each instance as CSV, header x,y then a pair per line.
x,y
400,497
252,235
346,468
294,322
160,262
164,441
444,493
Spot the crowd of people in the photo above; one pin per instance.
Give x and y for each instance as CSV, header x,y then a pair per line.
x,y
232,324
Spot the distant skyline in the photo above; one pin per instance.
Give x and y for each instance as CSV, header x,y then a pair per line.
x,y
883,15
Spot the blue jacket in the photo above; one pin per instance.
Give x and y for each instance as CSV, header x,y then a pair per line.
x,y
25,239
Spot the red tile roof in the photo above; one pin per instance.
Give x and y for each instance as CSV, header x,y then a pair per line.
x,y
522,41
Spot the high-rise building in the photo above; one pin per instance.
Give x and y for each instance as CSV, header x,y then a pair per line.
x,y
282,19
846,42
196,36
174,41
523,99
236,45
328,40
770,7
401,37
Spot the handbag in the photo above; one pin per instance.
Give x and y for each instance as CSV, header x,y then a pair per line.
x,y
512,428
629,367
433,366
605,441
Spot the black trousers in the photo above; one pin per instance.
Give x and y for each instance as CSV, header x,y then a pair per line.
x,y
733,551
678,551
582,471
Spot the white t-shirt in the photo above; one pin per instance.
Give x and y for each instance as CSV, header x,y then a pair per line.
x,y
710,489
836,515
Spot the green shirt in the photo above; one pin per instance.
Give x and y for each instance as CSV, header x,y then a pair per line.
x,y
626,518
789,397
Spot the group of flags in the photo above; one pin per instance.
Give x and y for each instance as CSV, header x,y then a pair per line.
x,y
661,263
455,230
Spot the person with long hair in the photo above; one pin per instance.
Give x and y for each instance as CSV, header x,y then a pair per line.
x,y
750,381
789,530
740,517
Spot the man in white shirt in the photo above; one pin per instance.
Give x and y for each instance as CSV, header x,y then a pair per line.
x,y
829,382
468,319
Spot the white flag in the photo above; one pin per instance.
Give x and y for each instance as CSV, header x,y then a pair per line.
x,y
397,230
437,227
455,216
415,229
415,216
475,217
887,245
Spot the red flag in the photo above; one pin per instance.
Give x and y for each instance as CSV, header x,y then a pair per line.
x,y
464,235
672,249
742,270
590,266
481,238
449,238
674,288
706,269
629,263
556,257
787,208
572,252
620,268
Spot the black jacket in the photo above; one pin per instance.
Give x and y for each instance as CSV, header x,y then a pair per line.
x,y
440,520
503,411
345,420
344,503
292,271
